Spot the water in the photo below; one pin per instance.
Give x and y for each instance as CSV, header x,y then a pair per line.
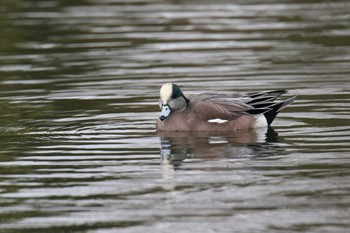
x,y
79,98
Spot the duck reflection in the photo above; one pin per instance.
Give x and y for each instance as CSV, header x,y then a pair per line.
x,y
178,146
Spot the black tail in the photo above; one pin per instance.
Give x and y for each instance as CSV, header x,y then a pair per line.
x,y
276,108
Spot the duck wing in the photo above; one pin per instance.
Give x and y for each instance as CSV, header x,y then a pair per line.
x,y
208,106
231,106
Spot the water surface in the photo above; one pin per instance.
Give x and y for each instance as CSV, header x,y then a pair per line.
x,y
79,86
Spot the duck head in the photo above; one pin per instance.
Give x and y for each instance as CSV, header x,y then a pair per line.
x,y
171,100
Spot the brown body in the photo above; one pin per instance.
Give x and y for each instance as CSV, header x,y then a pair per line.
x,y
201,109
217,112
187,121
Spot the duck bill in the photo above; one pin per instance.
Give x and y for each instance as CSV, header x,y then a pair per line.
x,y
165,112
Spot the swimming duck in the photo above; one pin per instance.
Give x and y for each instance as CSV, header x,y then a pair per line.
x,y
217,112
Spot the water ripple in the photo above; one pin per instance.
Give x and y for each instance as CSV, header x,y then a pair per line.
x,y
79,100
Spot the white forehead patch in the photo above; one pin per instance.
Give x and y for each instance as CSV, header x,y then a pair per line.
x,y
165,92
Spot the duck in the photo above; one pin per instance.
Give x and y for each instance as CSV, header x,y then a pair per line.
x,y
211,111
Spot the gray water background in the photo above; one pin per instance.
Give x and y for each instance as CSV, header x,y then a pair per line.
x,y
79,86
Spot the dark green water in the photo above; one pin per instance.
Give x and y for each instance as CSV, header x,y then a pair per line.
x,y
79,84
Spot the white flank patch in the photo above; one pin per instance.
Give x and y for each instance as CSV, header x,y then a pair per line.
x,y
165,92
217,120
260,121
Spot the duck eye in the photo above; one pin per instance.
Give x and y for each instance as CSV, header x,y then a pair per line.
x,y
166,107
